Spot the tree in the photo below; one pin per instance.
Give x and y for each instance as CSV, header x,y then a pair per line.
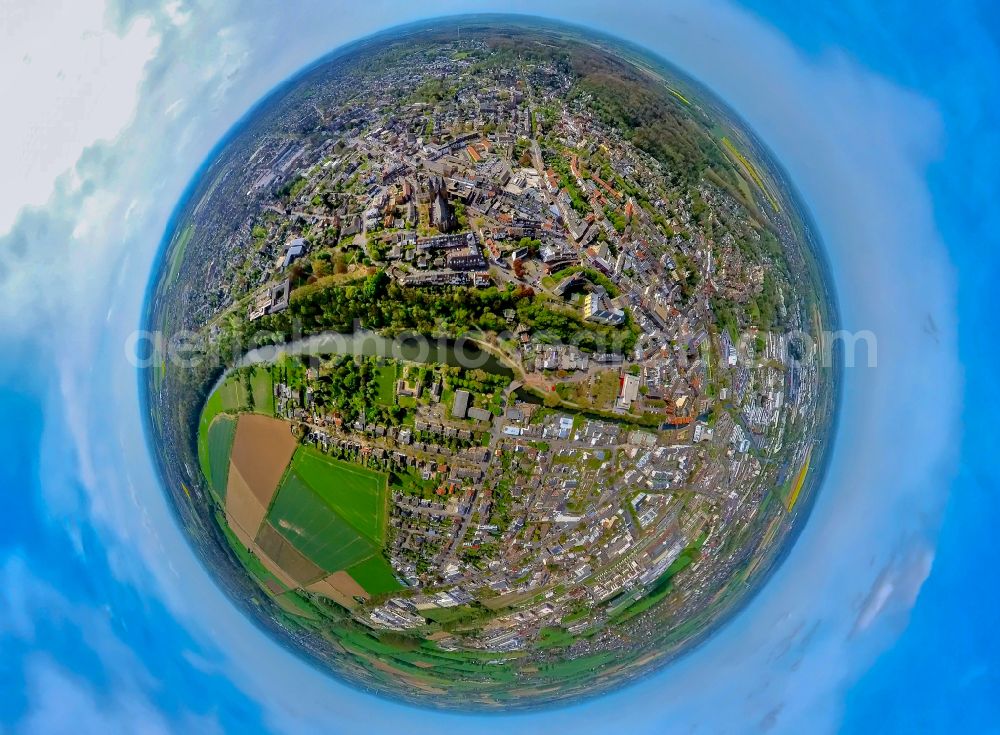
x,y
340,263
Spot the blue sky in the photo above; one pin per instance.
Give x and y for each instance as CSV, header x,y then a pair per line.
x,y
878,620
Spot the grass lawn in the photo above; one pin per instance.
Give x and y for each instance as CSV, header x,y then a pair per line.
x,y
445,614
555,638
385,376
231,395
410,482
263,391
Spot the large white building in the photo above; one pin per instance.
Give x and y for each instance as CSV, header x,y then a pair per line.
x,y
629,392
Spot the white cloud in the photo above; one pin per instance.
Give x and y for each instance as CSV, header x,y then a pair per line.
x,y
61,703
65,85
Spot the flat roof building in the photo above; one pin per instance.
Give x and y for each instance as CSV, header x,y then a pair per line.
x,y
461,404
479,414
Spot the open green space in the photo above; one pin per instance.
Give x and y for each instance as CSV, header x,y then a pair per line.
x,y
178,251
555,638
294,603
312,526
227,398
447,614
385,376
355,493
219,444
262,390
375,575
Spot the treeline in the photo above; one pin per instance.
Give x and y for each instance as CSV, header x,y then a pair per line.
x,y
379,304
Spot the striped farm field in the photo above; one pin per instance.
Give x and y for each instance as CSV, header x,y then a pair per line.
x,y
219,445
334,514
800,480
310,524
357,494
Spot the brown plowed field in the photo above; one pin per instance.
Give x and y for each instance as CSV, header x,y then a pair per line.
x,y
244,512
262,449
323,587
287,557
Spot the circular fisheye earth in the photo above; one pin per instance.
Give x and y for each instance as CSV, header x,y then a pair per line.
x,y
490,367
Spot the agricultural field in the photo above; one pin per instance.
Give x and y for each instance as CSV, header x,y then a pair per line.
x,y
225,399
301,512
261,451
262,391
220,444
312,526
355,493
334,514
218,421
794,487
375,575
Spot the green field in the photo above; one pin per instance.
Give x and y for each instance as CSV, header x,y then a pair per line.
x,y
450,614
334,513
555,638
179,248
219,444
313,527
226,399
216,435
295,604
263,391
385,376
375,575
355,493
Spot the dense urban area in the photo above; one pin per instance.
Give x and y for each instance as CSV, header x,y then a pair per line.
x,y
550,394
